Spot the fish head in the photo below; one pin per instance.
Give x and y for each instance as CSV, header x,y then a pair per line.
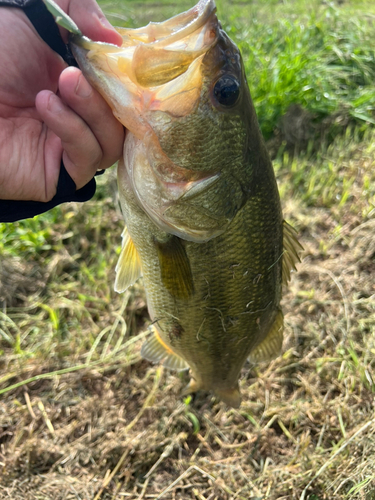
x,y
180,89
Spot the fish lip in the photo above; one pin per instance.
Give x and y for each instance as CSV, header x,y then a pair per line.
x,y
200,17
81,46
84,42
196,17
193,19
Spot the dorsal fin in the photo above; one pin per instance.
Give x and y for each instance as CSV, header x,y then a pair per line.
x,y
292,249
271,346
175,268
128,268
157,351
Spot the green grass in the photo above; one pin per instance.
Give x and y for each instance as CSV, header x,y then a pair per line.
x,y
82,416
323,61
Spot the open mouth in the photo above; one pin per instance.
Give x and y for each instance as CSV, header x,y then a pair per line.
x,y
159,52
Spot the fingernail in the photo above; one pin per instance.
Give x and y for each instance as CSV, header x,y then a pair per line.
x,y
54,104
110,35
104,21
83,88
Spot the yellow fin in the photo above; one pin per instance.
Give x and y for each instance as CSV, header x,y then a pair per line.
x,y
230,397
175,268
157,351
271,346
128,268
193,386
292,249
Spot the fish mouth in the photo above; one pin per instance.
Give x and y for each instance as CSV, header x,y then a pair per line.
x,y
156,54
155,76
158,68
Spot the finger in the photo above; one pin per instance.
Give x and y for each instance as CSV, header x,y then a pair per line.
x,y
82,154
91,20
93,109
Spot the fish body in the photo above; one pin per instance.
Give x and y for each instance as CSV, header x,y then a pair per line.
x,y
204,225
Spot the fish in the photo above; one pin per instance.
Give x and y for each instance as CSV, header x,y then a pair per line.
x,y
203,219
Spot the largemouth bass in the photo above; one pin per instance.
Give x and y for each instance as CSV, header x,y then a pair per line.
x,y
204,225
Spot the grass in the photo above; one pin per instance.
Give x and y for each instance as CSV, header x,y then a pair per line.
x,y
82,416
323,62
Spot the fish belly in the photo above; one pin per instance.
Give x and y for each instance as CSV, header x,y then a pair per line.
x,y
236,292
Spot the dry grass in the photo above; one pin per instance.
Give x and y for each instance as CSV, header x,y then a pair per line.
x,y
110,426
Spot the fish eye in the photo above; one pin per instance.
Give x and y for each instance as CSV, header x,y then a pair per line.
x,y
227,90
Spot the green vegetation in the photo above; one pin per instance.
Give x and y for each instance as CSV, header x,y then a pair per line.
x,y
82,416
321,60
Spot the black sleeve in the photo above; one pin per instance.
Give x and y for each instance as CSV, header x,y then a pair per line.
x,y
47,29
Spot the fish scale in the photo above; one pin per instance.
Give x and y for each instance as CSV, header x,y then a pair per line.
x,y
223,291
204,225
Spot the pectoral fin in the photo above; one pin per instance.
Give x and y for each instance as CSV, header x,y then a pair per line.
x,y
175,268
292,249
271,346
128,268
157,351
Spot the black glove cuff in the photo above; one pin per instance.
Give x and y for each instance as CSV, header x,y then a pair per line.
x,y
13,210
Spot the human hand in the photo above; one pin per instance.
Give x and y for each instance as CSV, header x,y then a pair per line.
x,y
39,127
